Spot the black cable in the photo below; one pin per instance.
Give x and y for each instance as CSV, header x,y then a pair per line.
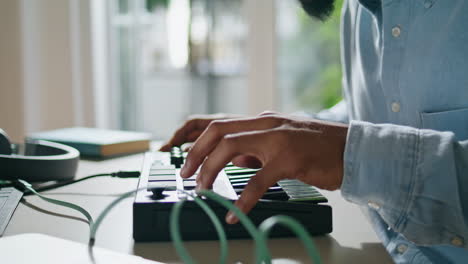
x,y
119,174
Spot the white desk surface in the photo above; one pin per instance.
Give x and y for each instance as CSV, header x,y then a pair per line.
x,y
352,239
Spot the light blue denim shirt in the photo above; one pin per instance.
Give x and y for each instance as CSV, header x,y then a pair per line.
x,y
405,66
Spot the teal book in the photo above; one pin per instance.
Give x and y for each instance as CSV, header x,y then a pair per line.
x,y
94,142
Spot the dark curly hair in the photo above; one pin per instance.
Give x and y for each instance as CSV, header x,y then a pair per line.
x,y
320,9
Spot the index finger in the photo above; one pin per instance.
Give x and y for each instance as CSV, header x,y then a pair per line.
x,y
247,143
216,131
184,133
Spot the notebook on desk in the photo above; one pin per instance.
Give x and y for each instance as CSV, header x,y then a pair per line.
x,y
100,143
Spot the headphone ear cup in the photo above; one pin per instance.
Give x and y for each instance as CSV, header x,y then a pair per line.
x,y
5,145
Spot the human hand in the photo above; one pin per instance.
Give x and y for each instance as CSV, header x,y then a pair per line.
x,y
284,147
192,129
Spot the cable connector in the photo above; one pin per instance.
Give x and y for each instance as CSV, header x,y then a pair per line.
x,y
126,174
21,186
5,183
15,184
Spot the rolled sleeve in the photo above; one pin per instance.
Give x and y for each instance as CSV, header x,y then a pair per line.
x,y
411,177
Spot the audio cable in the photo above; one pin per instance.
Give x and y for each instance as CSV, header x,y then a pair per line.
x,y
119,174
28,186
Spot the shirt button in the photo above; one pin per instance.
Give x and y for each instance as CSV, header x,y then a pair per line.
x,y
395,107
373,205
401,248
457,241
396,31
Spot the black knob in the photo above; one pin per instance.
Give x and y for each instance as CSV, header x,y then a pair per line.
x,y
158,193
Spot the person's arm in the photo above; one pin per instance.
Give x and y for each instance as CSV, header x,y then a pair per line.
x,y
282,146
195,125
417,180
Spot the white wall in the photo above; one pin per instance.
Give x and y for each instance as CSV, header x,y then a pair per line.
x,y
45,67
261,51
11,114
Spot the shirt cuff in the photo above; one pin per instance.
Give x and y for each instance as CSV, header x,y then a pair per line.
x,y
379,167
396,170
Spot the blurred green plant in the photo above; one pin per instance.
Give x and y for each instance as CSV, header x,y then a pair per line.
x,y
317,83
309,61
151,4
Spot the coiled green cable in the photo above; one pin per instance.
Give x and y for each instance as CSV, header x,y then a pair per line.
x,y
266,226
260,236
260,244
177,238
59,202
95,225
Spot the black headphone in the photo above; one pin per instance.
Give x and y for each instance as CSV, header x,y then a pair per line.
x,y
37,160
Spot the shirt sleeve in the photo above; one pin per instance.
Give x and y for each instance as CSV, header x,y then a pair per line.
x,y
416,180
337,113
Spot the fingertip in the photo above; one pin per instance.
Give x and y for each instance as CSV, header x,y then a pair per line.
x,y
165,148
185,170
200,187
231,218
198,190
